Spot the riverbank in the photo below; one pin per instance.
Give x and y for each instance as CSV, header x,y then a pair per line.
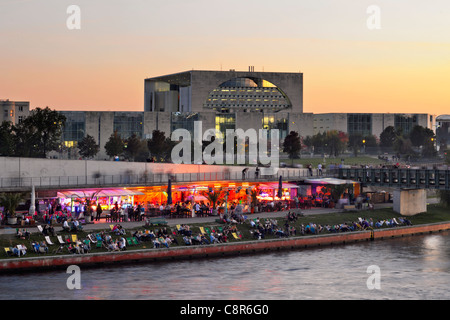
x,y
242,245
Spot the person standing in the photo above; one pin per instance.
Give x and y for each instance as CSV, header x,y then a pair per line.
x,y
319,167
99,212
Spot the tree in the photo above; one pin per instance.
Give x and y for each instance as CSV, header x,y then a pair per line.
x,y
388,138
292,145
10,201
336,142
136,149
115,145
41,131
7,145
159,146
87,147
355,142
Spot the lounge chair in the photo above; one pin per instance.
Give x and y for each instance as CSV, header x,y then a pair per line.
x,y
49,241
9,252
60,239
41,230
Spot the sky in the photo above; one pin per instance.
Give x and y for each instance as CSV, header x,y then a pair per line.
x,y
403,66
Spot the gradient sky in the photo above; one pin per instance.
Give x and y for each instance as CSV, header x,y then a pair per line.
x,y
403,67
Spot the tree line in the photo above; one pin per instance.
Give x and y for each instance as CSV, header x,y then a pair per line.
x,y
420,142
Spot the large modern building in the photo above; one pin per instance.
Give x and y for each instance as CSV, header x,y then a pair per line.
x,y
220,100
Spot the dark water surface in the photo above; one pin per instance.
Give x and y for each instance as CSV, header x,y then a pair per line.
x,y
415,267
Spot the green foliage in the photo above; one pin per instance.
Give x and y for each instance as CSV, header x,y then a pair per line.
x,y
115,145
136,149
10,201
292,145
159,146
87,147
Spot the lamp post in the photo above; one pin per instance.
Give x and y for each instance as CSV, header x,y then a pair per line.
x,y
364,145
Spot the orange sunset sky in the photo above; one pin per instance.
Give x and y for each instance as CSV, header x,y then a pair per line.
x,y
402,67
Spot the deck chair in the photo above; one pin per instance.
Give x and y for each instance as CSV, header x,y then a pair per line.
x,y
60,239
111,227
135,240
59,249
99,244
48,240
208,230
92,238
8,252
74,238
129,241
202,230
67,239
22,249
235,236
41,230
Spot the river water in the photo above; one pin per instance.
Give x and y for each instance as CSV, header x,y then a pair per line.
x,y
415,267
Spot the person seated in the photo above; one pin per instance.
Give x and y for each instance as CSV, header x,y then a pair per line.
x,y
72,249
163,241
66,226
187,240
156,243
43,247
121,244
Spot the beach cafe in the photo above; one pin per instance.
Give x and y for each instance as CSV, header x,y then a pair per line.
x,y
153,197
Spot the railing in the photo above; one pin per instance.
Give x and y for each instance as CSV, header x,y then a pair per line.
x,y
402,178
145,179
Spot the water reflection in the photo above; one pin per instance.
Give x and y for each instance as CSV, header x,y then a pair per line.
x,y
411,268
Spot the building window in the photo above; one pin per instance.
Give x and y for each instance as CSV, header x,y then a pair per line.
x,y
405,123
127,124
186,121
359,123
74,128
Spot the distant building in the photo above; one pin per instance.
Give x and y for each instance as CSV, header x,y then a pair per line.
x,y
443,131
14,111
371,123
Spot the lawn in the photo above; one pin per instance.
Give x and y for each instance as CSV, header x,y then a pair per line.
x,y
360,160
435,213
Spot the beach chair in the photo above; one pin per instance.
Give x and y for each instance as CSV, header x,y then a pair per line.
x,y
60,239
8,252
208,230
92,238
135,240
41,230
202,230
235,236
111,227
129,241
49,241
74,238
22,249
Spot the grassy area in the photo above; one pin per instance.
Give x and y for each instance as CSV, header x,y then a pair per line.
x,y
435,213
360,160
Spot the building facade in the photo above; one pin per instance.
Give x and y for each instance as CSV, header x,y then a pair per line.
x,y
14,111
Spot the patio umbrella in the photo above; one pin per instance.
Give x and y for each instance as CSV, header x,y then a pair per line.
x,y
280,187
32,209
169,193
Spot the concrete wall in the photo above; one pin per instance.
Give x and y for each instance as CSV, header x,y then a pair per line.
x,y
35,168
409,202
